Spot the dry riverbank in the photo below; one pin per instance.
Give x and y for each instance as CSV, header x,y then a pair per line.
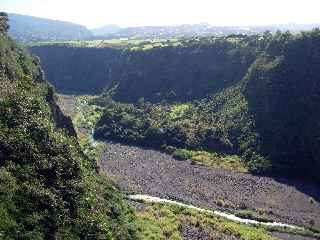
x,y
145,171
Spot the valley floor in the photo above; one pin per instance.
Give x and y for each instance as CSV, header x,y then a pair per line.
x,y
145,171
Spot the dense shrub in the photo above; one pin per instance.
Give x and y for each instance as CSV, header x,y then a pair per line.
x,y
48,187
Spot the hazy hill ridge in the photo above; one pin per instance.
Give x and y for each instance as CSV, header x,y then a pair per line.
x,y
192,30
28,29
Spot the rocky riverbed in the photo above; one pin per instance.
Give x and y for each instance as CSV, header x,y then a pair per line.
x,y
145,171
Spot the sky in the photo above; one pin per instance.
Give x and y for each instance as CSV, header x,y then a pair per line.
x,y
96,13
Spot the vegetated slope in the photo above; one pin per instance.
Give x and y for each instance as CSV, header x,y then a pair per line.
x,y
283,94
219,123
28,29
48,188
77,69
264,111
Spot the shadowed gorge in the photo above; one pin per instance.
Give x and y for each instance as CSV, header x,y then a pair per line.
x,y
253,96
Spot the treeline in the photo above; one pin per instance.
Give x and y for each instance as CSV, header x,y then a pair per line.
x,y
48,188
254,96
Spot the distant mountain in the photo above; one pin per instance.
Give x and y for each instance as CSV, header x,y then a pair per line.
x,y
192,30
32,29
185,30
292,27
105,30
28,29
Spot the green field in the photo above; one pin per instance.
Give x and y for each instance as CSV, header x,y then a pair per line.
x,y
130,43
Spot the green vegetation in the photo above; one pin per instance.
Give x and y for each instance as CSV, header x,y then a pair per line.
x,y
231,162
133,44
86,116
48,188
249,214
198,130
178,111
167,221
158,221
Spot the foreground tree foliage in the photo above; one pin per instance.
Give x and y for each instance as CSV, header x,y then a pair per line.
x,y
255,96
48,188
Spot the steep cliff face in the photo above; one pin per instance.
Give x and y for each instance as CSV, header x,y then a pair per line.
x,y
61,120
77,69
171,73
180,73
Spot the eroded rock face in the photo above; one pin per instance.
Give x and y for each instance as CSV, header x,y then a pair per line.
x,y
39,76
61,120
77,69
